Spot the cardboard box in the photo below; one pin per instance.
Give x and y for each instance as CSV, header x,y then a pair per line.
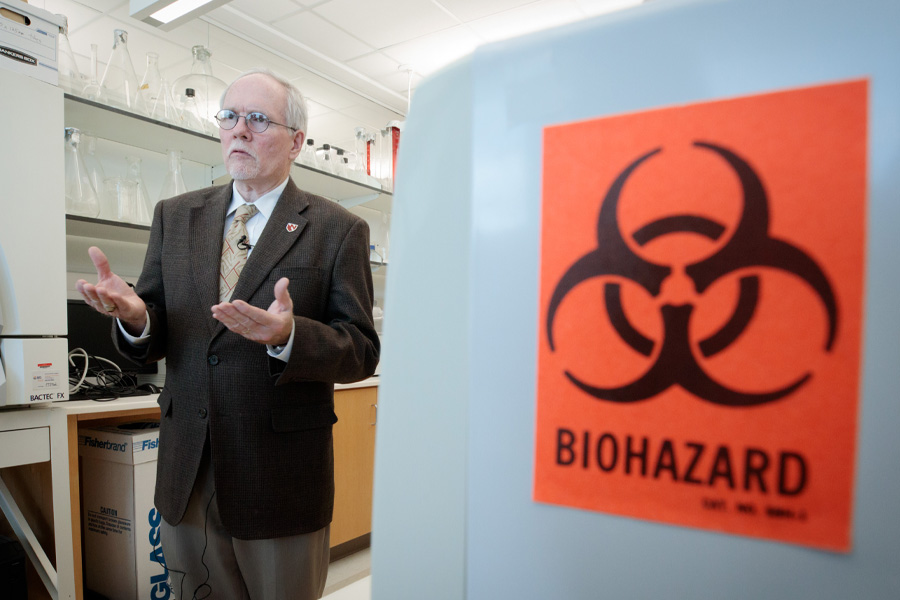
x,y
123,557
28,40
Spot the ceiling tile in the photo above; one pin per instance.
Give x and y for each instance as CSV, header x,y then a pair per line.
x,y
77,14
469,10
400,82
374,65
315,32
371,116
268,11
328,94
428,53
382,23
526,19
314,109
599,7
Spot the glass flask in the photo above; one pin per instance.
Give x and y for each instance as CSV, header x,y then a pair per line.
x,y
163,107
119,86
174,184
308,154
93,166
92,90
208,89
81,197
151,82
190,112
323,159
143,205
70,78
339,162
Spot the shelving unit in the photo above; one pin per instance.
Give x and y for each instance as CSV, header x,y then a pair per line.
x,y
121,126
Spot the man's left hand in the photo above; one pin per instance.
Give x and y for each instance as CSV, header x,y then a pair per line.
x,y
272,326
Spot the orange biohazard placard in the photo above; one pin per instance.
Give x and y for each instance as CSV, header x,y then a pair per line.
x,y
701,288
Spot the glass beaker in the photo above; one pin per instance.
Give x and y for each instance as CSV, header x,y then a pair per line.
x,y
151,82
144,207
93,91
120,202
81,197
174,184
69,76
208,89
120,83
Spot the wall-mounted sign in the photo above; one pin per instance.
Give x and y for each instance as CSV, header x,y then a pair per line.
x,y
701,296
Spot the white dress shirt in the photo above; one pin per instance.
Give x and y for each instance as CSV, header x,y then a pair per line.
x,y
265,204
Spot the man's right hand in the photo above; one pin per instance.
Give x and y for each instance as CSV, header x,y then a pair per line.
x,y
113,297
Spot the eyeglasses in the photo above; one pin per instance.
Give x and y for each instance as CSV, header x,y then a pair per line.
x,y
256,121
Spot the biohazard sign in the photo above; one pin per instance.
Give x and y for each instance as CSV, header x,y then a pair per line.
x,y
701,287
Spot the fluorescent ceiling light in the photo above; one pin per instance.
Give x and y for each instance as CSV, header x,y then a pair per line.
x,y
168,14
179,8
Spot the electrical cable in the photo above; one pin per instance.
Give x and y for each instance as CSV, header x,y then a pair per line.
x,y
111,383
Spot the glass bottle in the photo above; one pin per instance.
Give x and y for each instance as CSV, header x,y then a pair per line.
x,y
120,83
93,91
174,184
340,163
323,159
190,112
151,82
208,89
81,197
70,78
308,153
144,207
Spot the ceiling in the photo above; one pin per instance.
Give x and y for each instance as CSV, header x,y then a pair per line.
x,y
357,61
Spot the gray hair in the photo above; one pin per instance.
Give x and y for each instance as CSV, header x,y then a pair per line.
x,y
295,112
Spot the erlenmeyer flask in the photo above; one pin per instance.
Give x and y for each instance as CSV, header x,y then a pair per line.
x,y
144,207
190,112
120,83
94,168
70,78
93,91
174,184
208,89
163,108
81,197
151,82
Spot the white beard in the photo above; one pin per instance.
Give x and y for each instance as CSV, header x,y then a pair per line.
x,y
241,170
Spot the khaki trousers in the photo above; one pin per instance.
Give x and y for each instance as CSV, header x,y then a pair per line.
x,y
205,563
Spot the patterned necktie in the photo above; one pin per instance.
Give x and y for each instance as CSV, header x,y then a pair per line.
x,y
234,251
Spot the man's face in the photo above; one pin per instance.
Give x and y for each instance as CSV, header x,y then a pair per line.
x,y
259,159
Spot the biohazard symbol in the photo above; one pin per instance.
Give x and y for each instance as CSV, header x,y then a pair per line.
x,y
751,245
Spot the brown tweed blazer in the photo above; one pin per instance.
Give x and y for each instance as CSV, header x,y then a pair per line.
x,y
269,423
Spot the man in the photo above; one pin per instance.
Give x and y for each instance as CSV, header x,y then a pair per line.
x,y
245,479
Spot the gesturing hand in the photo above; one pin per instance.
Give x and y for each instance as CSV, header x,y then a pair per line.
x,y
111,296
272,326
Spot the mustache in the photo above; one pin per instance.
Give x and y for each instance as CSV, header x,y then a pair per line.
x,y
241,146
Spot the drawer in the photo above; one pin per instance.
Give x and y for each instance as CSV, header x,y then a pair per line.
x,y
24,446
